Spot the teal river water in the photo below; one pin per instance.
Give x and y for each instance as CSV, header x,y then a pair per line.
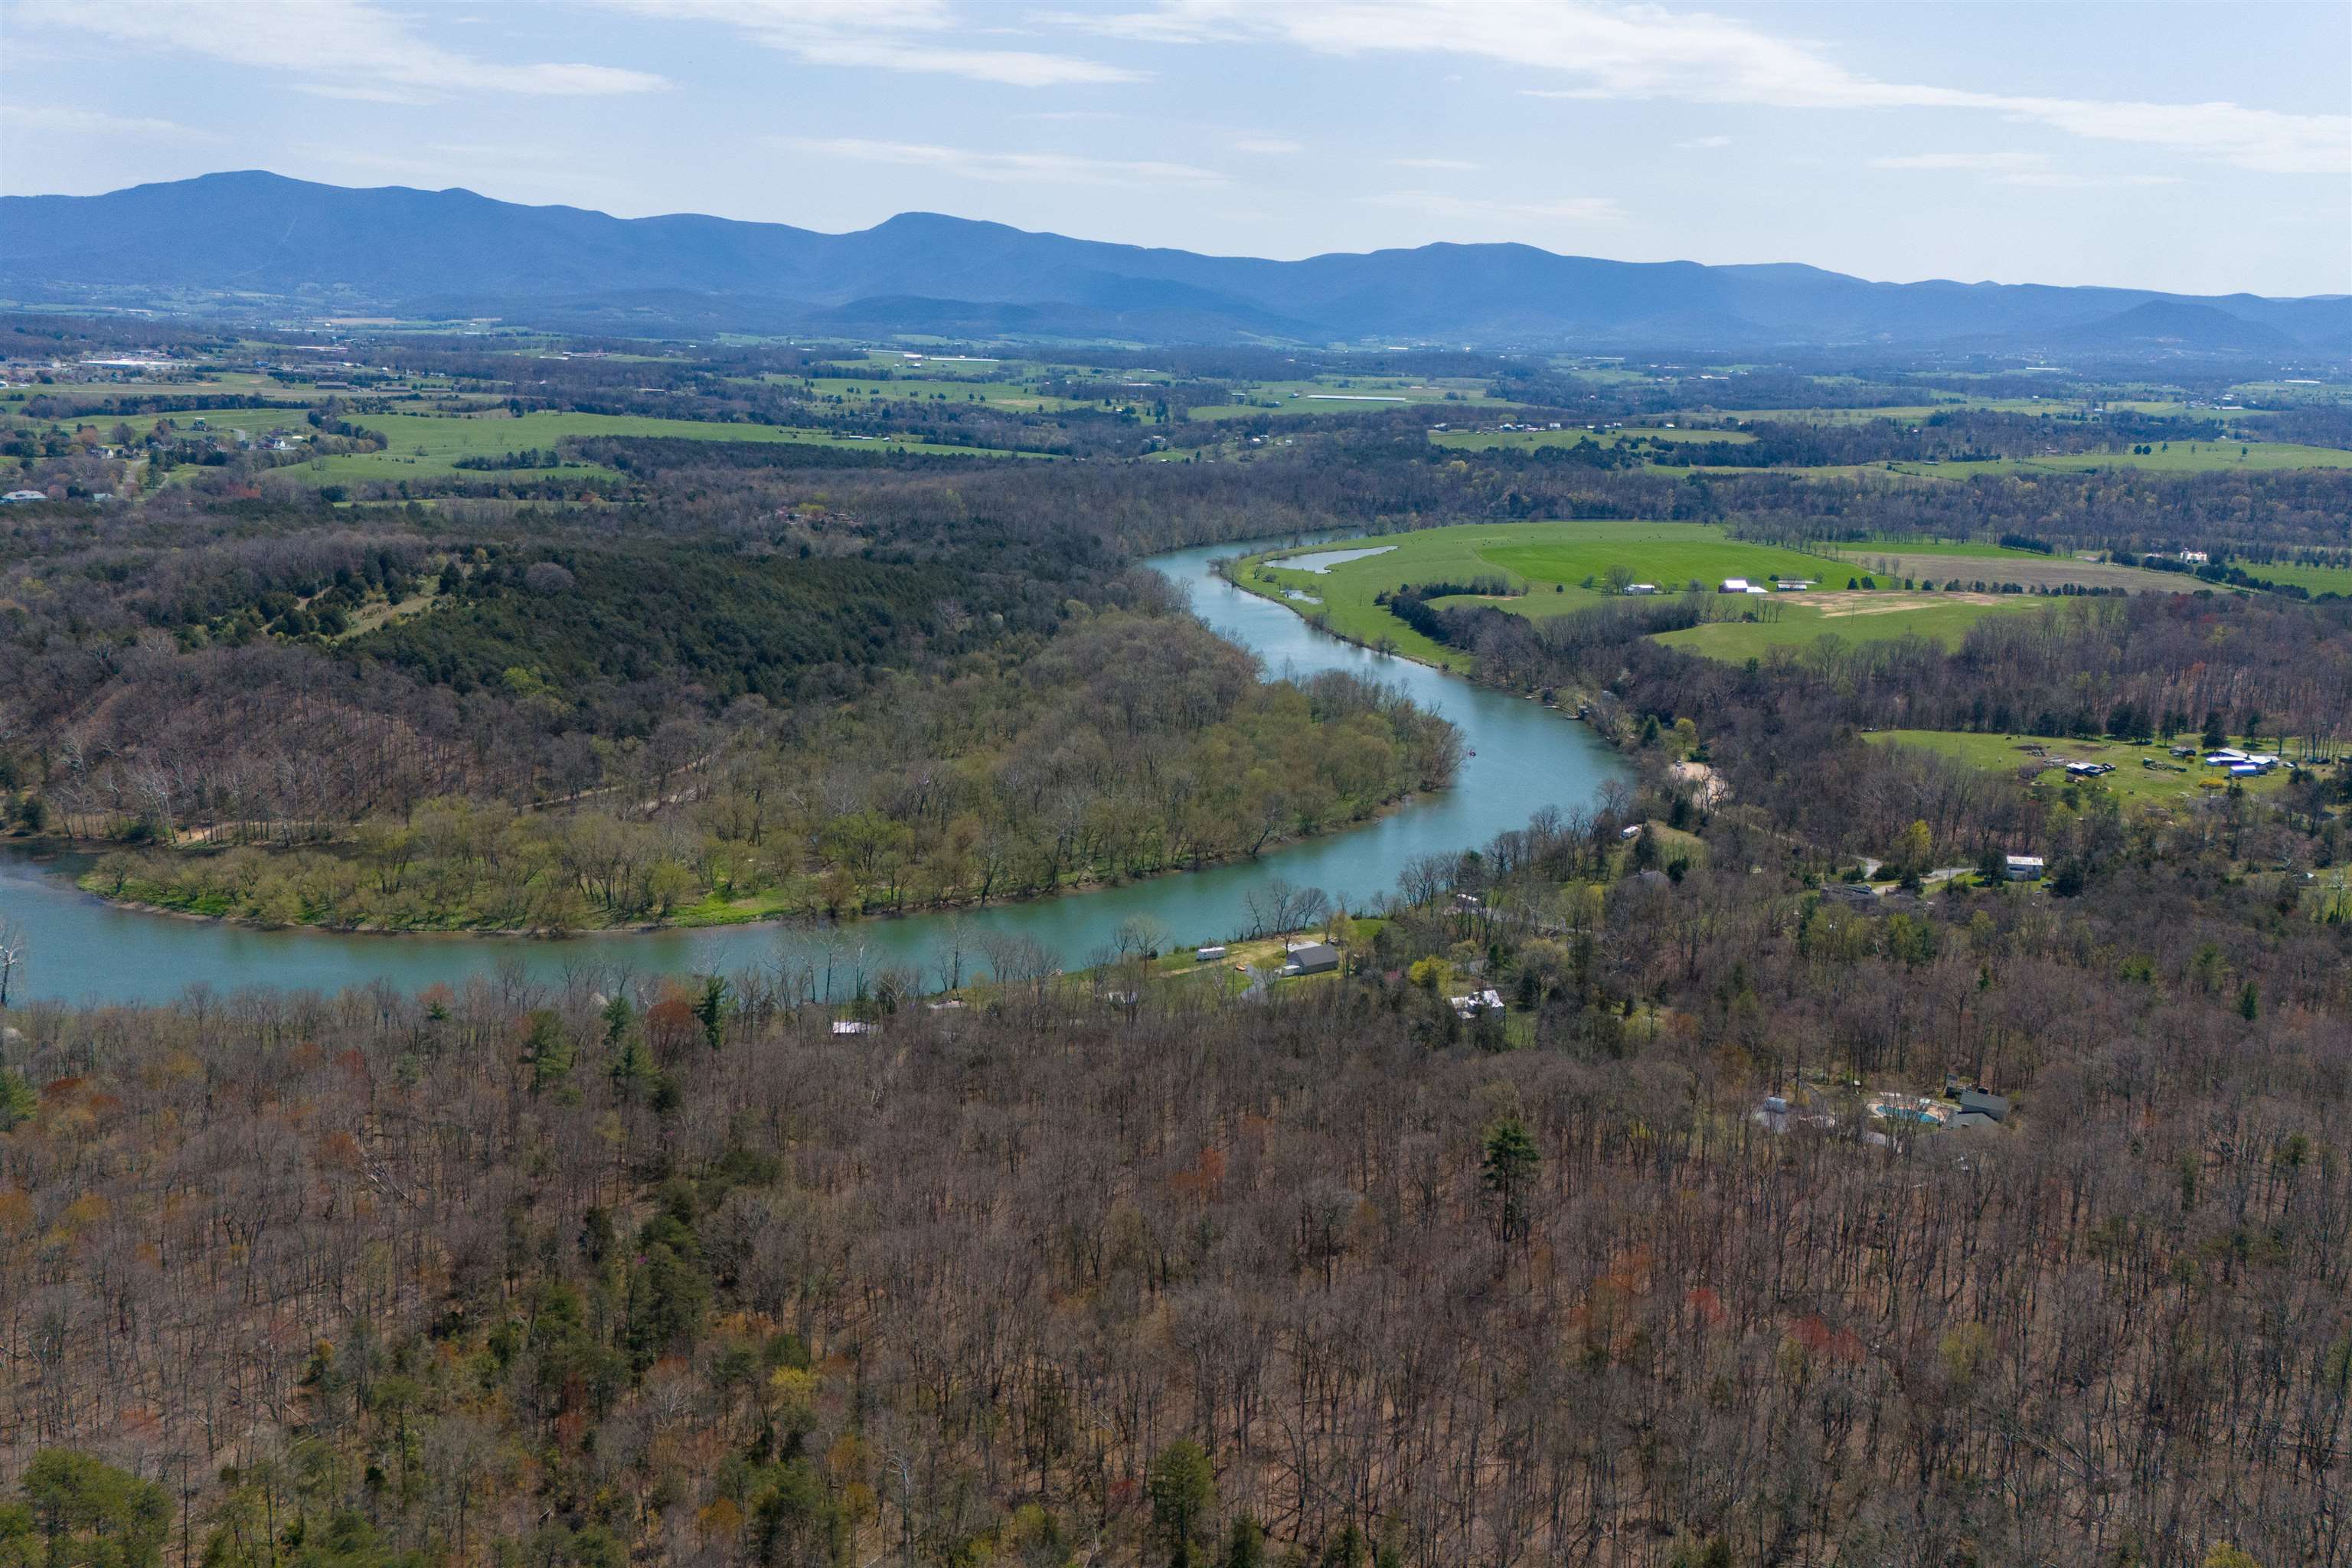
x,y
1523,757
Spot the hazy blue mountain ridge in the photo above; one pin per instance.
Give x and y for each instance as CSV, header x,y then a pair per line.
x,y
456,253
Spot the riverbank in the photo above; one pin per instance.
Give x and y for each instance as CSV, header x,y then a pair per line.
x,y
1517,760
145,895
1237,571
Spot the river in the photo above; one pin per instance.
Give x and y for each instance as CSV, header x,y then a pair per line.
x,y
81,948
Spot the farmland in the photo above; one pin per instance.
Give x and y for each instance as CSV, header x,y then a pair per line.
x,y
1909,413
2144,775
1535,441
1870,550
1850,617
1341,394
429,446
1944,564
1546,563
2177,457
1552,568
1000,394
2313,579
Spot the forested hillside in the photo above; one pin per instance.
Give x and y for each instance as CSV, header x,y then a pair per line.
x,y
1130,744
605,1271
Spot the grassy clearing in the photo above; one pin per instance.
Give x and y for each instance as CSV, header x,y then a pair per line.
x,y
2133,783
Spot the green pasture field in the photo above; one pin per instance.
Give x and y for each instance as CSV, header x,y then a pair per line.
x,y
1551,560
2179,458
249,383
1891,545
993,394
2131,783
429,446
2029,568
943,367
2282,393
2174,408
1529,440
2312,579
1856,617
1908,412
1323,396
2206,457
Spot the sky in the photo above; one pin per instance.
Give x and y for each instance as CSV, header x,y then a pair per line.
x,y
2205,148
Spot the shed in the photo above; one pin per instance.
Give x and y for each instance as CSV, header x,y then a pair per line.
x,y
1208,955
1733,586
2022,867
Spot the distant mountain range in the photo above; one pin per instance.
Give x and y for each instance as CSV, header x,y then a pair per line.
x,y
275,243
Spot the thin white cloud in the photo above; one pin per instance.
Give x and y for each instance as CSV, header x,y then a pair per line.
x,y
1446,203
1456,164
342,47
1984,162
1699,143
1268,146
2019,169
1053,168
96,123
919,35
354,93
2056,180
1643,52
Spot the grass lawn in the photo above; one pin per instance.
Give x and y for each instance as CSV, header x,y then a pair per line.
x,y
2131,783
